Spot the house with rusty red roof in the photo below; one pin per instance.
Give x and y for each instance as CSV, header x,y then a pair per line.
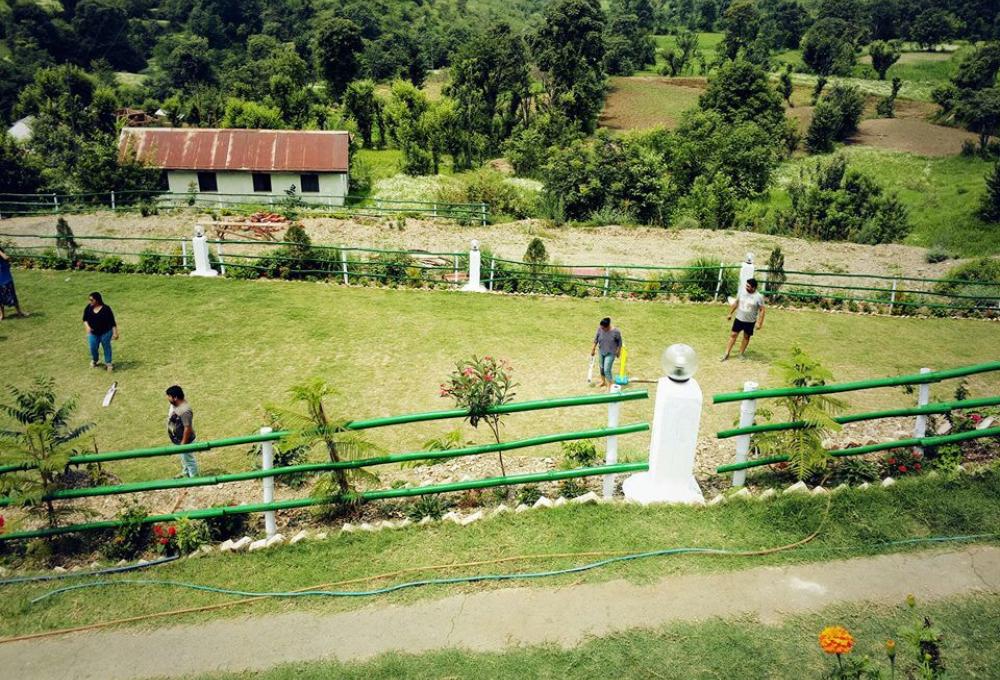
x,y
242,166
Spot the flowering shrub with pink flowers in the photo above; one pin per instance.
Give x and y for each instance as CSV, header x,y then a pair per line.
x,y
478,385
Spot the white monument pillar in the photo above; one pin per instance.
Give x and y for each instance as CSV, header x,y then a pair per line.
x,y
746,272
475,270
200,247
676,418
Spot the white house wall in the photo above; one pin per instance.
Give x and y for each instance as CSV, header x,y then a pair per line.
x,y
332,186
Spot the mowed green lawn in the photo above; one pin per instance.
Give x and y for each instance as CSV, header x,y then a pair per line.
x,y
942,195
238,345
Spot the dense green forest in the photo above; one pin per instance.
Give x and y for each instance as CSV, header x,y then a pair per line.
x,y
526,80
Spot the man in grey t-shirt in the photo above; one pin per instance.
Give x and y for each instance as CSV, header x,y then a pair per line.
x,y
180,428
749,309
609,341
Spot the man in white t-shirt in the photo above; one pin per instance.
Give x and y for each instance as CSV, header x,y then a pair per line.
x,y
749,309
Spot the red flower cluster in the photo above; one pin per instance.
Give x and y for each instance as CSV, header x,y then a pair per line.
x,y
163,536
976,418
2,522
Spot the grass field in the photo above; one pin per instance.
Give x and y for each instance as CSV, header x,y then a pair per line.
x,y
238,345
859,523
942,195
742,648
644,102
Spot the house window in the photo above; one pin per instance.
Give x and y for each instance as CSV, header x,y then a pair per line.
x,y
261,182
207,182
310,183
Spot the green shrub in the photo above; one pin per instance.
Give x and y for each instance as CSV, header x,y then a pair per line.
x,y
578,454
191,535
571,488
112,264
979,279
431,505
854,471
129,540
699,283
528,494
225,527
390,269
936,254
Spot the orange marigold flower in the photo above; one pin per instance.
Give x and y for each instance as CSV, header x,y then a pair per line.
x,y
890,648
836,640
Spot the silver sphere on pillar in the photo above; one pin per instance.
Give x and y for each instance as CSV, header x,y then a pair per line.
x,y
679,362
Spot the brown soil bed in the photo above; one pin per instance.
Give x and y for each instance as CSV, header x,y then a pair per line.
x,y
911,135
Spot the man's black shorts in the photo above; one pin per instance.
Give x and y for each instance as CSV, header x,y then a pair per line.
x,y
745,326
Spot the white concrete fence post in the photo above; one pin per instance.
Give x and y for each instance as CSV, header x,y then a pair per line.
x,y
112,201
222,262
718,285
343,264
607,280
892,297
455,278
492,267
748,409
611,455
266,463
920,425
474,284
747,271
199,246
184,254
674,437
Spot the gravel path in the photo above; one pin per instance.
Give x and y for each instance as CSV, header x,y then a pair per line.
x,y
495,620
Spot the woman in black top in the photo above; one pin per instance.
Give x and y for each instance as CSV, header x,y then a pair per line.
x,y
100,327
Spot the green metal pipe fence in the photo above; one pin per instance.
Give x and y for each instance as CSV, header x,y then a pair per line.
x,y
208,513
347,265
161,484
917,379
941,407
385,421
871,448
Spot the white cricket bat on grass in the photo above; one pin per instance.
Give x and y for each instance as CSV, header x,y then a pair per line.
x,y
110,394
590,371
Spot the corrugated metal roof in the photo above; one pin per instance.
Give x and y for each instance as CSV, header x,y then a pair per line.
x,y
251,150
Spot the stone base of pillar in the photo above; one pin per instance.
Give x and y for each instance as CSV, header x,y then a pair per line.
x,y
642,488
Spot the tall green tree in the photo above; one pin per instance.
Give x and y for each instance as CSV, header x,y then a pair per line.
x,y
336,46
742,23
569,49
933,27
883,55
491,84
740,91
364,107
827,47
989,206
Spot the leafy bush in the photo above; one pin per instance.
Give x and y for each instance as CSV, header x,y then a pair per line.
x,y
936,254
699,283
390,269
129,540
191,534
431,505
578,454
712,202
112,264
853,471
978,278
832,202
804,446
571,488
225,527
528,494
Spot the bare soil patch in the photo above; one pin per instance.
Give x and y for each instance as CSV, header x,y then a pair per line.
x,y
911,135
914,57
580,246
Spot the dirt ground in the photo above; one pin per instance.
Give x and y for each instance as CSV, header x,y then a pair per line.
x,y
481,621
644,102
912,135
581,246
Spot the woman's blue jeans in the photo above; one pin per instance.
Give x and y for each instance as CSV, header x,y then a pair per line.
x,y
607,364
102,341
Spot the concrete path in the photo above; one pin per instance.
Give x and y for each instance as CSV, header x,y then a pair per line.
x,y
496,619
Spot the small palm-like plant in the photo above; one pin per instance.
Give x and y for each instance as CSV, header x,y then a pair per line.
x,y
315,429
40,438
804,446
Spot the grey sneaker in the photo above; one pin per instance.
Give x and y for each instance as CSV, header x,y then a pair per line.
x,y
93,364
111,367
